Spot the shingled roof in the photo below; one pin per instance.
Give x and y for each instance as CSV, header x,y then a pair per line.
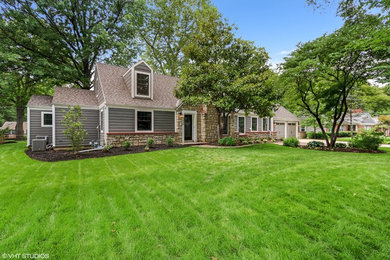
x,y
362,118
284,115
116,92
40,101
74,96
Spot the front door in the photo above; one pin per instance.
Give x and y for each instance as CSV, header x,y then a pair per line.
x,y
187,127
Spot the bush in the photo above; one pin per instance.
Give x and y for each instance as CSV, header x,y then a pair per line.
x,y
313,135
315,144
249,141
241,139
291,142
228,141
147,148
366,142
74,128
256,140
341,145
107,148
265,140
170,141
126,145
344,134
150,142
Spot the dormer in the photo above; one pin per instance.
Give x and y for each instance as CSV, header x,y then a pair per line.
x,y
139,80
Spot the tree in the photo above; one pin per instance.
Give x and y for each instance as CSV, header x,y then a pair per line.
x,y
22,74
226,72
323,72
74,128
167,26
373,99
72,35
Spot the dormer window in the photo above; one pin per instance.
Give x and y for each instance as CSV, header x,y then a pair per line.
x,y
142,85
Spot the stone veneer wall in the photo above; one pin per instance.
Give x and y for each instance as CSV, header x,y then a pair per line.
x,y
260,135
117,139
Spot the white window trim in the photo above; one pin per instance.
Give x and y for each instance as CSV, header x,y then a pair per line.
x,y
136,121
42,121
257,123
238,124
136,87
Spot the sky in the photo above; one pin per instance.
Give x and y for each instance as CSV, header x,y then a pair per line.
x,y
278,25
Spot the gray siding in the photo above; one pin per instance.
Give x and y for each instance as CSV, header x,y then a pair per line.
x,y
164,121
127,78
102,129
142,67
35,126
121,120
90,119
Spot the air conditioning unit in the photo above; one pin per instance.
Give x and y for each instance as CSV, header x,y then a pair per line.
x,y
46,138
38,145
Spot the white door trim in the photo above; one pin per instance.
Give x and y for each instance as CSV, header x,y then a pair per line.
x,y
194,124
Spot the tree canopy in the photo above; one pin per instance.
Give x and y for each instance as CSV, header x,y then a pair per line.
x,y
226,72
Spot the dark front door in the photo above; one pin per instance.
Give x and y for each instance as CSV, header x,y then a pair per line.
x,y
187,127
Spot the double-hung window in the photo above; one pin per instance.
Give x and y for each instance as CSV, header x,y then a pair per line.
x,y
47,119
254,124
142,84
144,121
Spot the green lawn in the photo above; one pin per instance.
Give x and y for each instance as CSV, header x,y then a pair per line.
x,y
264,201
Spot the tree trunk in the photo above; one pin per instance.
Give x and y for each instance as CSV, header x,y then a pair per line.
x,y
19,123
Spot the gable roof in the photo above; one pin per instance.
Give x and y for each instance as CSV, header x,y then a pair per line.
x,y
283,114
116,92
40,101
74,96
363,118
12,125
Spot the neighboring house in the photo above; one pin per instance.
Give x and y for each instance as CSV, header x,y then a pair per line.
x,y
12,129
134,104
286,124
360,121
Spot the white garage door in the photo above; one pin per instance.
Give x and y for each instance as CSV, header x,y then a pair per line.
x,y
279,129
292,130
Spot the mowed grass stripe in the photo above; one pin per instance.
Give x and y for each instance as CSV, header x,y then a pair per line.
x,y
258,202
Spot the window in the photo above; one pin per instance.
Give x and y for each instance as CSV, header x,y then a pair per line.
x,y
254,123
265,124
142,85
241,124
353,128
225,128
47,119
144,121
303,128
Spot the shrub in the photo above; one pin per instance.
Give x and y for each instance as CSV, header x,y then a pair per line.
x,y
147,148
366,141
150,142
344,134
291,142
256,140
107,148
74,128
126,145
227,141
341,145
245,142
170,141
265,140
314,144
3,132
313,135
249,141
241,139
273,140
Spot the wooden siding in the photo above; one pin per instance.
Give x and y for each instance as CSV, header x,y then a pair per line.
x,y
35,126
142,68
101,125
121,120
164,121
90,119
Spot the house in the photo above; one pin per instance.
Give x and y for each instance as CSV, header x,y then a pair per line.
x,y
135,104
11,126
286,124
360,121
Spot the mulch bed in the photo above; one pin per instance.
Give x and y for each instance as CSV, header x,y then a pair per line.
x,y
66,155
345,150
